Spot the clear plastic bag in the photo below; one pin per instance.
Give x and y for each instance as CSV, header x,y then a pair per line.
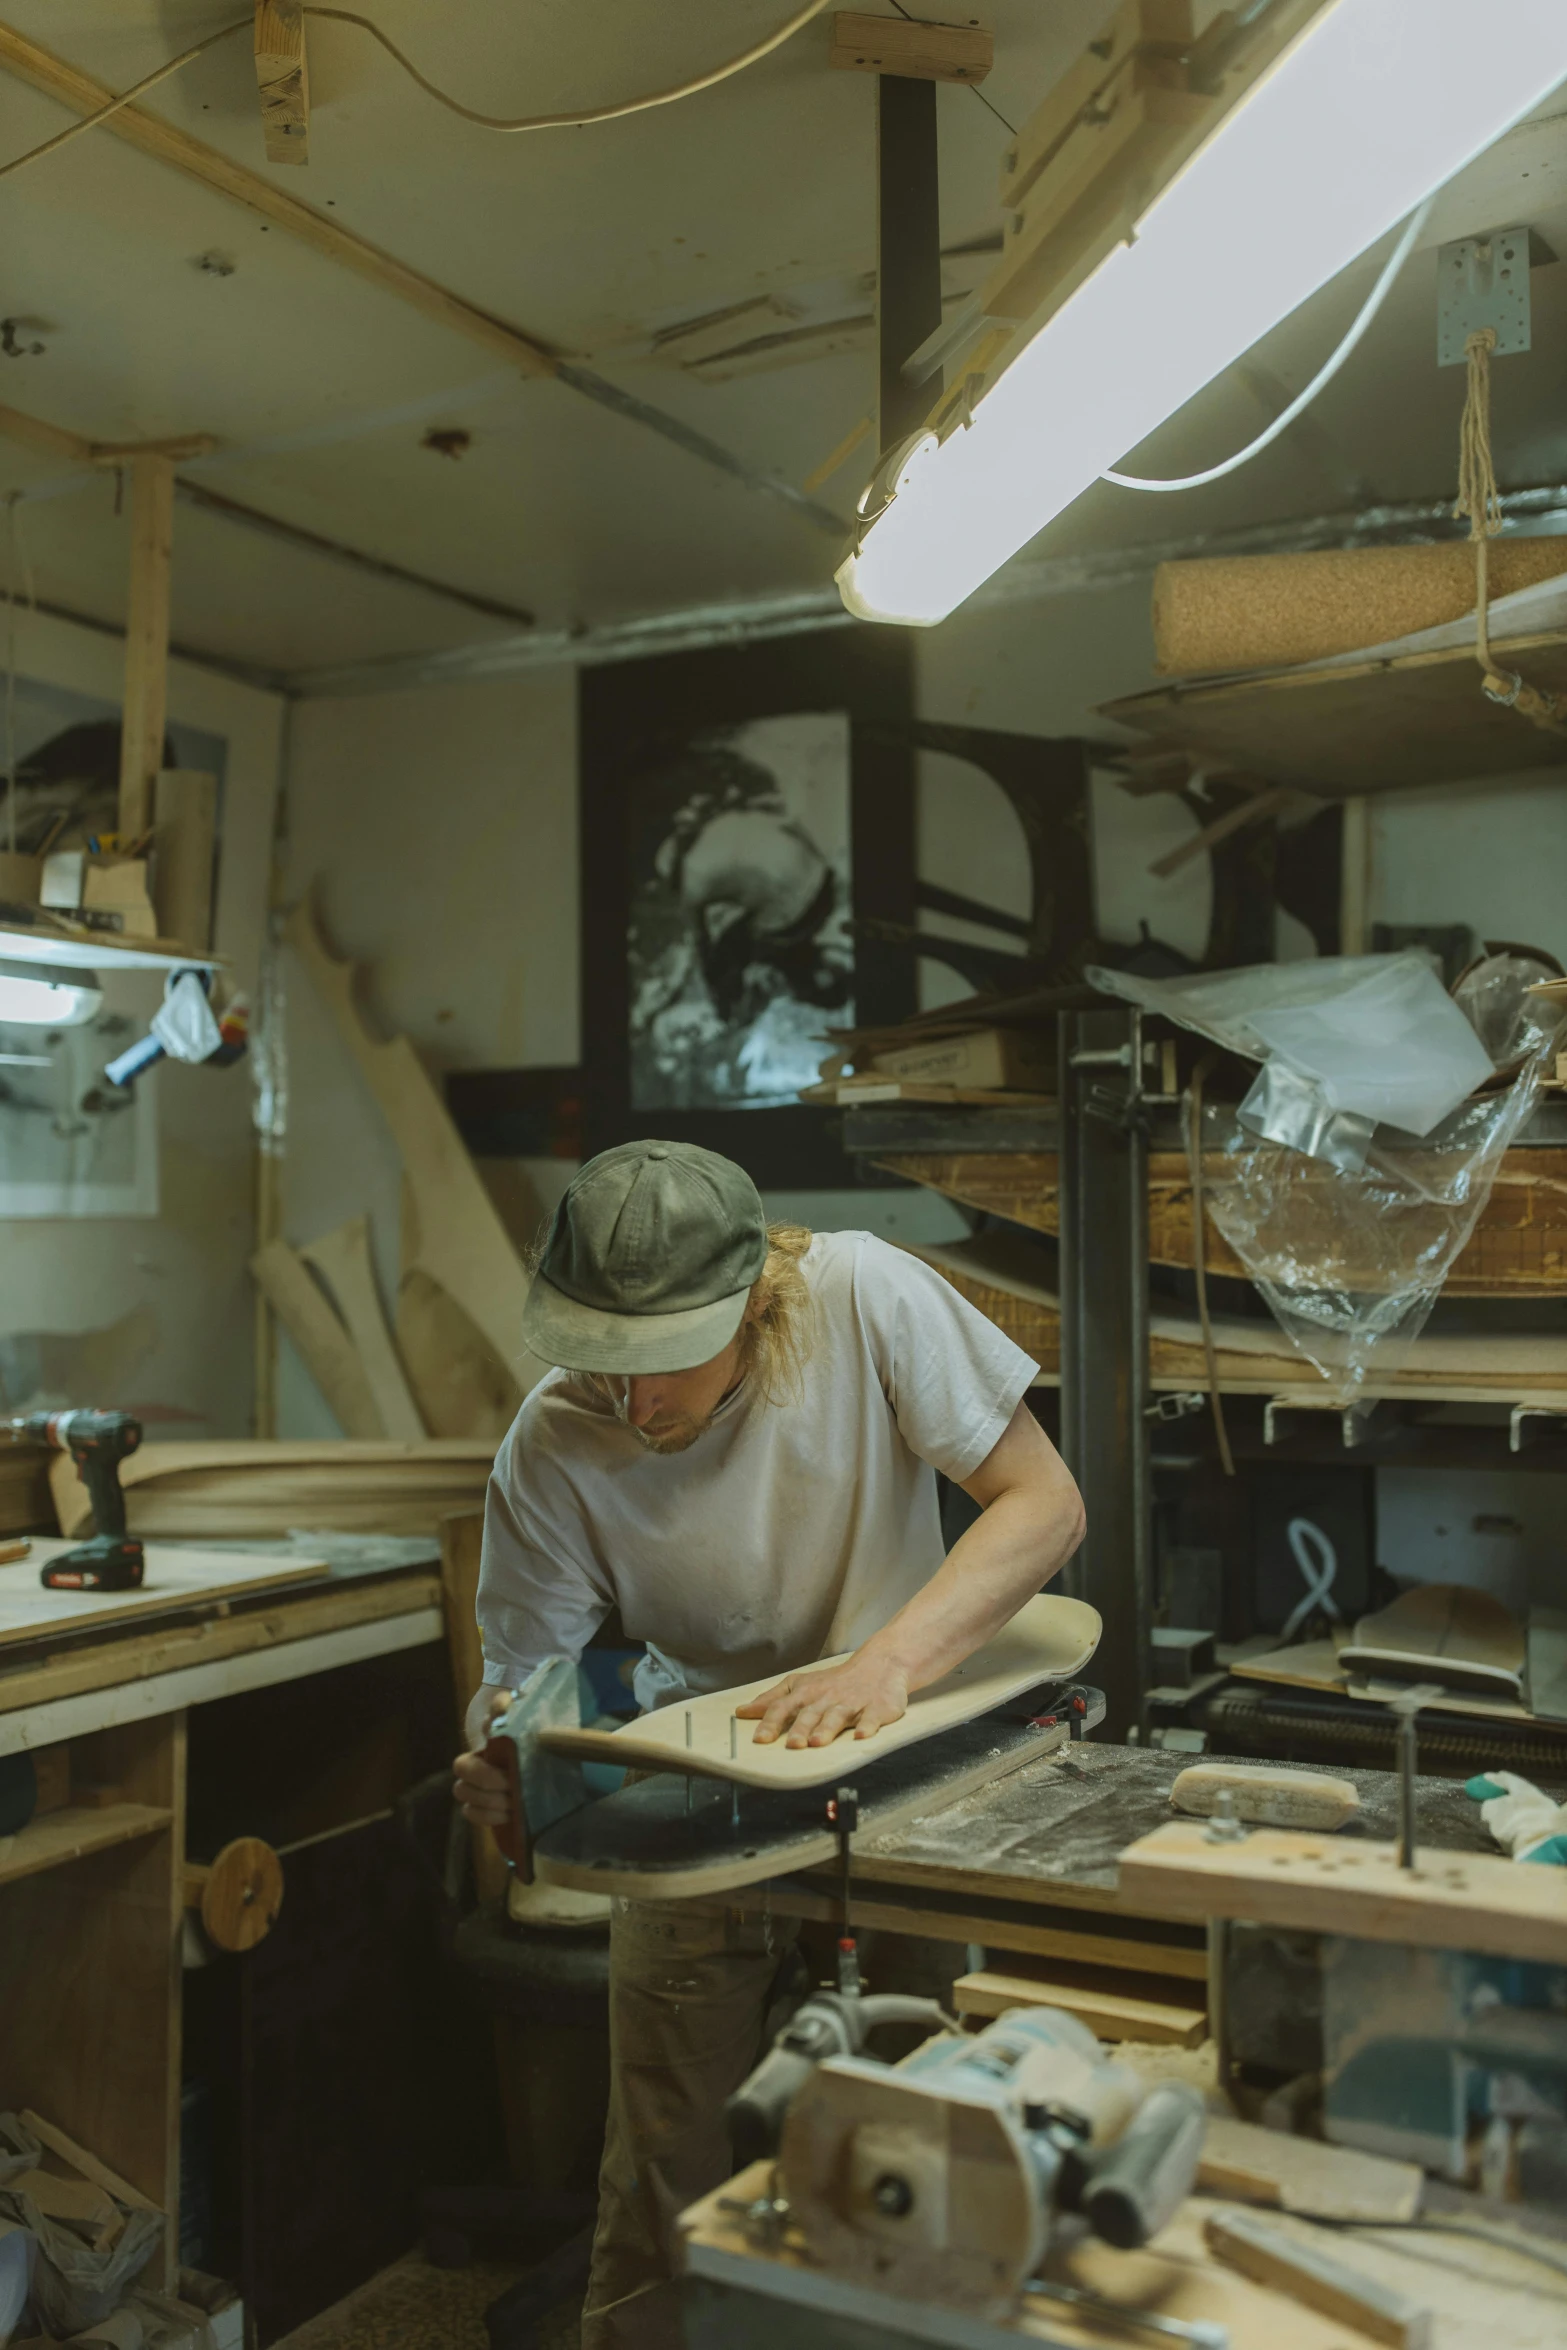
x,y
1349,1227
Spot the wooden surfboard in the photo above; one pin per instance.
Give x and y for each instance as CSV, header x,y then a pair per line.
x,y
1049,1639
671,1840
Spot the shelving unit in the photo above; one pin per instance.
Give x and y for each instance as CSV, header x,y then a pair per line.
x,y
74,1833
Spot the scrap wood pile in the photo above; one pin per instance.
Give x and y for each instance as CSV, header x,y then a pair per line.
x,y
448,1362
988,1048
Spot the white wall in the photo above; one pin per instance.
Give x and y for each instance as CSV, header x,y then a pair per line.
x,y
71,1275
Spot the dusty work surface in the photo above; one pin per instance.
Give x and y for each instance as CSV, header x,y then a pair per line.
x,y
1054,1830
172,1579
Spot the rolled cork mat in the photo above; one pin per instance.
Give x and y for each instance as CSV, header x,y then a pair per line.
x,y
1265,611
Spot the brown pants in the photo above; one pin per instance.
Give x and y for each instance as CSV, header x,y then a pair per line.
x,y
693,1998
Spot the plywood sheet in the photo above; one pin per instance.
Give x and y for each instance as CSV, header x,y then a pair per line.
x,y
1048,1640
1329,1885
1374,726
174,1579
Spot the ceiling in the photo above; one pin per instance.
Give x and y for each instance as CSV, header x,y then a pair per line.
x,y
755,197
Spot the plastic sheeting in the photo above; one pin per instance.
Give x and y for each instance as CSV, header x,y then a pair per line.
x,y
1351,1258
73,2286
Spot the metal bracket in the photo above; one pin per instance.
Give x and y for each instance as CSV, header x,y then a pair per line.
x,y
1182,1406
1483,281
1354,1418
1519,1431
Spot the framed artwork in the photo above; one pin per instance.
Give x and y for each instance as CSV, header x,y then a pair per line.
x,y
747,825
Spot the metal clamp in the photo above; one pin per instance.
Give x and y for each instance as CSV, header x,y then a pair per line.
x,y
1182,1406
1354,1418
1520,1433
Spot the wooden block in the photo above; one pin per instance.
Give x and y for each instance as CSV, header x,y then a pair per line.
x,y
283,80
185,815
343,1260
146,640
1303,2174
923,52
1309,2272
1264,1797
1448,1901
331,1357
1142,34
1113,2007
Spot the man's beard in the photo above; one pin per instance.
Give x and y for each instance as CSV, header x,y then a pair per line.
x,y
675,1435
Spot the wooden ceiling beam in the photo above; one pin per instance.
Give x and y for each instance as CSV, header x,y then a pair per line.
x,y
283,80
166,144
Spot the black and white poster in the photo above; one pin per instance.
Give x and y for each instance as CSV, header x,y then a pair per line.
x,y
740,954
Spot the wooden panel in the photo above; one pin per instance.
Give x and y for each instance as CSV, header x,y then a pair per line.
x,y
1114,2007
1450,1901
1372,726
1518,1248
118,1663
924,52
90,1980
69,1834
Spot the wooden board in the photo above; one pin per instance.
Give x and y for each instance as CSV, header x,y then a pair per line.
x,y
342,1258
462,1243
1328,1885
1518,1247
66,1835
174,1579
1441,1632
1306,2270
675,1838
1113,2006
329,1353
1417,719
1050,1639
1303,2174
923,51
260,1485
1314,1664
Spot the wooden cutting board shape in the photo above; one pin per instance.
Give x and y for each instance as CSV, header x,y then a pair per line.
x,y
173,1579
1049,1639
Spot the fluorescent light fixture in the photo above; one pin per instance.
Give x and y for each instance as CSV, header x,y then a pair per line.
x,y
44,995
1373,107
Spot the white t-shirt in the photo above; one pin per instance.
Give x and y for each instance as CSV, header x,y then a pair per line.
x,y
788,1531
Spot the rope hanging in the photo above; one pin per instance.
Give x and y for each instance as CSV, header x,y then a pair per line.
x,y
1479,499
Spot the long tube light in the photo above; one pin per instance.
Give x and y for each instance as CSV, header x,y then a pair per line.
x,y
1372,109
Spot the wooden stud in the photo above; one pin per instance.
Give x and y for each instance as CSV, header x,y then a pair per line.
x,y
160,139
45,440
1110,2009
283,80
920,51
1308,2272
145,706
185,814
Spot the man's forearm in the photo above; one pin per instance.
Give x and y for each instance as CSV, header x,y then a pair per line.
x,y
1001,1561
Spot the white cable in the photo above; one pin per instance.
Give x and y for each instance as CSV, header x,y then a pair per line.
x,y
1318,1574
1302,400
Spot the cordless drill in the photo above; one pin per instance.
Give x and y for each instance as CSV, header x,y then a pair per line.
x,y
97,1442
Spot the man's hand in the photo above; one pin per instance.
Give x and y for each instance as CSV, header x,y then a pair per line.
x,y
863,1694
479,1787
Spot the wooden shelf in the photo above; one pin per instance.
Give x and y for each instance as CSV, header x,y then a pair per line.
x,y
71,1834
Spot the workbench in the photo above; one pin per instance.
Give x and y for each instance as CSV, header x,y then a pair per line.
x,y
93,1893
1028,1865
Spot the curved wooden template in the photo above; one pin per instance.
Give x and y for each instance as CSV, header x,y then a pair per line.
x,y
461,1384
342,1258
1518,1247
463,1244
1050,1639
330,1355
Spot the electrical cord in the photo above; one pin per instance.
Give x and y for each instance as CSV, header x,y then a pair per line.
x,y
552,122
1505,2239
148,82
1324,375
489,122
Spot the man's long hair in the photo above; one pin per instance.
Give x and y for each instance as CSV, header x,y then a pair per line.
x,y
775,1339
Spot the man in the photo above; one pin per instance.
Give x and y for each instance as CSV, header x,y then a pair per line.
x,y
738,1451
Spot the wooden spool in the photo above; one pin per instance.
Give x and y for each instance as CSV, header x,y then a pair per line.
x,y
239,1894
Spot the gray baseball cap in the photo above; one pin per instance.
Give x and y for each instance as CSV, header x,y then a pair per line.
x,y
649,1261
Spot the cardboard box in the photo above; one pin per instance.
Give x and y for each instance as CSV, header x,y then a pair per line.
x,y
1016,1060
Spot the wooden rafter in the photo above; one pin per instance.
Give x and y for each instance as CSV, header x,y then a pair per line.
x,y
283,80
